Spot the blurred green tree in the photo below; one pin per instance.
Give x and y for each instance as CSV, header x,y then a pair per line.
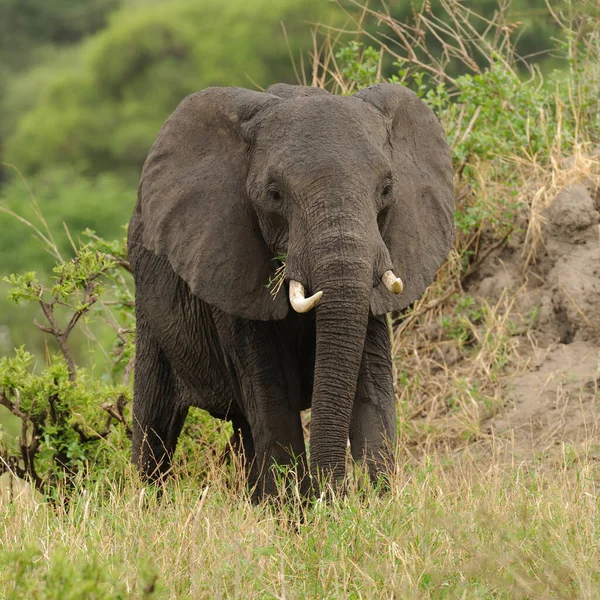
x,y
33,32
28,25
103,114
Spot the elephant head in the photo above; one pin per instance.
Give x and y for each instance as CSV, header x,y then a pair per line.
x,y
356,191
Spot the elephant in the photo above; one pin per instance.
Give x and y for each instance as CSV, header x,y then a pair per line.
x,y
356,192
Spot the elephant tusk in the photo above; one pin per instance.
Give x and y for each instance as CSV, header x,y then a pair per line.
x,y
392,283
299,302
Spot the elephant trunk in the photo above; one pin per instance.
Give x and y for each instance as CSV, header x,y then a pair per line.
x,y
346,279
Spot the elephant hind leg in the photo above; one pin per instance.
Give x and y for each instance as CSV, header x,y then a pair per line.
x,y
158,409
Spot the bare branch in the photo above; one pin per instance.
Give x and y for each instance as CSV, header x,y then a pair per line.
x,y
116,411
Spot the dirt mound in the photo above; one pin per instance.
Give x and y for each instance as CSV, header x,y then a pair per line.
x,y
552,278
555,401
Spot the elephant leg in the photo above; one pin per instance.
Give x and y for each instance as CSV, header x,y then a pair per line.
x,y
280,455
277,434
158,413
373,427
266,373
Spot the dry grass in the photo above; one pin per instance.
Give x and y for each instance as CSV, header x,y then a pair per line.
x,y
448,529
449,368
542,182
460,35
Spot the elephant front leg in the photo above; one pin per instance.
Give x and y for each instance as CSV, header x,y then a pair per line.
x,y
268,386
373,430
280,460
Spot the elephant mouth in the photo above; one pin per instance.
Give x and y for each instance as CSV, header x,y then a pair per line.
x,y
301,304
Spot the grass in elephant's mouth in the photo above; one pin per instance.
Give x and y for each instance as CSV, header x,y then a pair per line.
x,y
447,529
276,282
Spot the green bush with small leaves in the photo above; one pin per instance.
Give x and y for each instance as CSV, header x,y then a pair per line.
x,y
62,422
66,422
72,424
358,66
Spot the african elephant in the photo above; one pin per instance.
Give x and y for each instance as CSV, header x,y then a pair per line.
x,y
357,193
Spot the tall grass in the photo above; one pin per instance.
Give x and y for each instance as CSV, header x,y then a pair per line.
x,y
453,527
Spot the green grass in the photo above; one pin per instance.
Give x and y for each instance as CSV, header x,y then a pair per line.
x,y
460,528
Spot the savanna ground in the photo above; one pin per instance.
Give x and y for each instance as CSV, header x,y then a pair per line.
x,y
497,372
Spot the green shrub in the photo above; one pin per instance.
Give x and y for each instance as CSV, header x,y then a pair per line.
x,y
359,67
67,418
63,423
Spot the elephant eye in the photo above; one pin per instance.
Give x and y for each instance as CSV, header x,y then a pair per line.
x,y
274,194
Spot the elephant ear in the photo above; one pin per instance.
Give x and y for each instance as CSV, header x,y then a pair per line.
x,y
193,207
420,229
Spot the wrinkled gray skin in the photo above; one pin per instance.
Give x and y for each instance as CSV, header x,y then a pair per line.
x,y
347,187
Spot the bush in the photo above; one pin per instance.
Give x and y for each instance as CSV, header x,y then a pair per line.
x,y
64,423
63,434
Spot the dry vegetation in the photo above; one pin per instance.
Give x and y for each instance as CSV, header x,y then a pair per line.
x,y
497,371
448,529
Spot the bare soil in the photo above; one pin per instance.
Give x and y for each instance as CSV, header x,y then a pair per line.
x,y
553,284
